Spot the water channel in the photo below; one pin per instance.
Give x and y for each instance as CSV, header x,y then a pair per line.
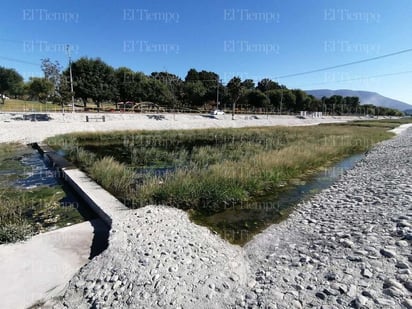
x,y
238,223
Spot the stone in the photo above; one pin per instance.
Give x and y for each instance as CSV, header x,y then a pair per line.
x,y
385,303
354,258
402,243
402,265
408,285
359,302
388,283
330,292
331,276
387,253
277,295
394,292
352,291
407,303
366,273
347,243
340,287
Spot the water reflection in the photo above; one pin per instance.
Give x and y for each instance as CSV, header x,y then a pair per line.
x,y
238,223
36,173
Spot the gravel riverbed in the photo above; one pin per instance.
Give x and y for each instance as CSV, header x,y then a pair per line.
x,y
347,247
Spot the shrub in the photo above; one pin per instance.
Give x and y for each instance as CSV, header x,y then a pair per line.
x,y
112,175
12,232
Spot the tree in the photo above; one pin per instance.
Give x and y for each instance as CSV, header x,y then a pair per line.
x,y
248,84
125,81
52,71
268,84
275,99
159,92
94,79
300,97
289,100
61,84
194,93
192,76
353,104
10,82
235,90
257,99
174,85
40,88
209,81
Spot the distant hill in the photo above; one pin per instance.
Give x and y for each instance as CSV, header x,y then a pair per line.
x,y
365,97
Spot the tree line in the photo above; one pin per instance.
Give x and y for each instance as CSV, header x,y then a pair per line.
x,y
96,81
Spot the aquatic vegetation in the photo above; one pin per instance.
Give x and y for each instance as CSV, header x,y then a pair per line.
x,y
210,171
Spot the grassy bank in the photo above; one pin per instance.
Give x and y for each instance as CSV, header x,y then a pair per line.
x,y
28,211
12,105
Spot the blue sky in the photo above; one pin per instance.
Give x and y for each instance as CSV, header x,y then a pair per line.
x,y
249,39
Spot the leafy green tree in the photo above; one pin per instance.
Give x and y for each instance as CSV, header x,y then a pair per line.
x,y
267,84
300,97
209,81
40,88
174,85
125,81
159,93
275,99
194,93
94,79
192,76
353,104
257,99
235,91
248,84
10,83
289,101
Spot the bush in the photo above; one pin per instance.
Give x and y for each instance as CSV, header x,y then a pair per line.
x,y
13,232
112,175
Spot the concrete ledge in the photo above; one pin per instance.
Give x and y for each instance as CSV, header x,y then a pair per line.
x,y
105,205
102,202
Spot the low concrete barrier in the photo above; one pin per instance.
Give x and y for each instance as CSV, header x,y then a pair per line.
x,y
102,202
105,205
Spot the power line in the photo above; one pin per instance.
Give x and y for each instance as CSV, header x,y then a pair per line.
x,y
19,61
345,64
362,78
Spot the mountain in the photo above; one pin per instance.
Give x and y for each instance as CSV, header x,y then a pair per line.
x,y
365,97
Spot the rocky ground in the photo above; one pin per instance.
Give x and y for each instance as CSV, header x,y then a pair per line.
x,y
157,258
349,246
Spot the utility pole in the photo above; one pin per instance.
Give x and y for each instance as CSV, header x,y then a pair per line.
x,y
71,76
281,101
217,93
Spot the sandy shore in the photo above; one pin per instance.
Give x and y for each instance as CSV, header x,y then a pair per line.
x,y
27,131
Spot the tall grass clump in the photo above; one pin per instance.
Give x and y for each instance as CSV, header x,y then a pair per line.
x,y
112,175
13,226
